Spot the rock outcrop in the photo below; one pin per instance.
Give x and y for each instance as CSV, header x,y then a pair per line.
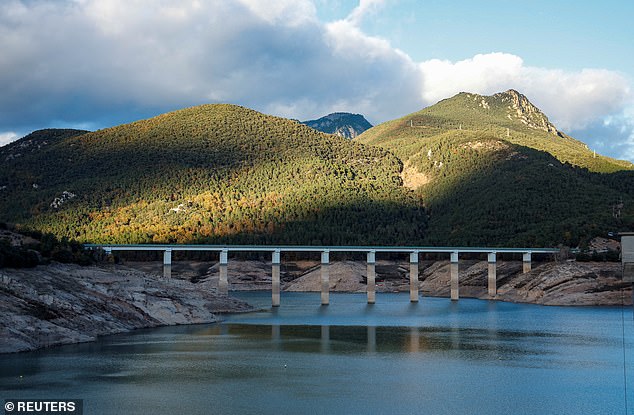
x,y
569,283
59,304
523,110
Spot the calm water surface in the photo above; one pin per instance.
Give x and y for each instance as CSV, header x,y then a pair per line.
x,y
433,357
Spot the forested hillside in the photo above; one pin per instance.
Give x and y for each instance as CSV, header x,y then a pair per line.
x,y
210,174
470,170
494,171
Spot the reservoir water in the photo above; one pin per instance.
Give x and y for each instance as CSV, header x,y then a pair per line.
x,y
393,357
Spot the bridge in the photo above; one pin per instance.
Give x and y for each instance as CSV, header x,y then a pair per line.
x,y
370,251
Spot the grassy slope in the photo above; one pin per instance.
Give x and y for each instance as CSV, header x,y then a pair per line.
x,y
214,173
489,179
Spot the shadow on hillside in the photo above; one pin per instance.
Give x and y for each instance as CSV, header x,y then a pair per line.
x,y
526,197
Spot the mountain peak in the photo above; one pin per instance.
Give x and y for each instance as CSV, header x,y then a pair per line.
x,y
524,111
343,124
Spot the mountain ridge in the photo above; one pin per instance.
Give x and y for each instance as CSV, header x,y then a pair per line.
x,y
467,171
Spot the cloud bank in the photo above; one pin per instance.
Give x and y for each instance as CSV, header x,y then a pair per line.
x,y
104,62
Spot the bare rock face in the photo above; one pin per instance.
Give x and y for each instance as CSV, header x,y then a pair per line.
x,y
243,275
527,113
58,304
346,276
16,239
551,283
569,283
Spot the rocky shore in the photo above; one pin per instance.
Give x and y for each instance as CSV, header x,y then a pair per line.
x,y
567,283
59,304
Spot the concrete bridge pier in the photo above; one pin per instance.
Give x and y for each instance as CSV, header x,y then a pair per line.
x,y
413,277
526,262
492,279
275,279
371,277
167,263
223,283
325,277
455,289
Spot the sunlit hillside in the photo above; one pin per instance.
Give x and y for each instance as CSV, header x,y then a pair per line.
x,y
494,171
213,174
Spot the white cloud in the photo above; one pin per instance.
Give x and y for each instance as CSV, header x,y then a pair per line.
x,y
285,12
483,74
75,60
7,137
365,7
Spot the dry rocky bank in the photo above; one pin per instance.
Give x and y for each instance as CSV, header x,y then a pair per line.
x,y
565,283
60,304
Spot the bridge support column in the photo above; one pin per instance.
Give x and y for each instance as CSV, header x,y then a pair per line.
x,y
455,289
167,263
413,277
325,277
275,279
371,277
223,283
492,279
526,262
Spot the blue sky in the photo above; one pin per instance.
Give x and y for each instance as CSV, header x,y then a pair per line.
x,y
97,63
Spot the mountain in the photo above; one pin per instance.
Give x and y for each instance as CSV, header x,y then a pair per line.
x,y
208,174
493,170
342,124
470,170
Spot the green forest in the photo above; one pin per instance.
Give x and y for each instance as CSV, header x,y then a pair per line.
x,y
209,174
488,178
468,171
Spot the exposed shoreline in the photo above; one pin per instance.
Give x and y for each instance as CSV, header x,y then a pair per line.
x,y
62,304
565,283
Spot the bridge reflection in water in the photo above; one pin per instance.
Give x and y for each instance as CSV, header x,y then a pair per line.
x,y
371,339
370,251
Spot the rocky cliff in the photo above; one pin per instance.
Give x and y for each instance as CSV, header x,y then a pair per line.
x,y
59,304
520,108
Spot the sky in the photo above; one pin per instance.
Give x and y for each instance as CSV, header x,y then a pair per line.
x,y
93,64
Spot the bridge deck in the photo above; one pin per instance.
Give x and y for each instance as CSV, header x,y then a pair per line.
x,y
297,248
